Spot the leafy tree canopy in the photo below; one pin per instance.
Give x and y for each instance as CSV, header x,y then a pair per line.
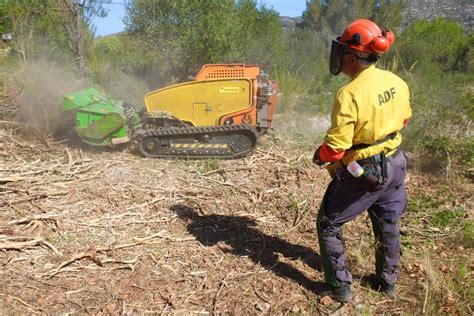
x,y
63,24
441,41
330,17
183,35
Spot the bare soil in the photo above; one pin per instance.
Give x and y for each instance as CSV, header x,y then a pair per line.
x,y
106,232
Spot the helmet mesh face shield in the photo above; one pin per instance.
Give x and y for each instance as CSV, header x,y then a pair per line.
x,y
338,50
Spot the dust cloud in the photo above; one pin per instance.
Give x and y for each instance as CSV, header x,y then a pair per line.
x,y
42,85
126,88
302,126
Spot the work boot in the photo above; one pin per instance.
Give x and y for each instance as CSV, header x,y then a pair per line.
x,y
340,294
376,284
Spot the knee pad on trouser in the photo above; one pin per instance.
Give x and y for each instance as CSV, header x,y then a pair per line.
x,y
388,251
333,256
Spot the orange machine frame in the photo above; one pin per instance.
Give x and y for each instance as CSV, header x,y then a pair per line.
x,y
218,71
214,71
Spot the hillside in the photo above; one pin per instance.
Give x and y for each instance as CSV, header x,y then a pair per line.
x,y
461,11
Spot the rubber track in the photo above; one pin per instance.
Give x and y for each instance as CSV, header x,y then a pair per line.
x,y
192,132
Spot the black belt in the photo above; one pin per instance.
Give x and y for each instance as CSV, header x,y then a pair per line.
x,y
378,158
386,138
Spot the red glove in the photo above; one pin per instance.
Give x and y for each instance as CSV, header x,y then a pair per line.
x,y
316,159
324,154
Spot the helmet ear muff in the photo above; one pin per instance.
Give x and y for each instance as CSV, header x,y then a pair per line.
x,y
380,44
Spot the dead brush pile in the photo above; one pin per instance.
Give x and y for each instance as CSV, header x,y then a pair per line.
x,y
104,228
101,231
97,231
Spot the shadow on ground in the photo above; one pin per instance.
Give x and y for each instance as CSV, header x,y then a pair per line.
x,y
245,239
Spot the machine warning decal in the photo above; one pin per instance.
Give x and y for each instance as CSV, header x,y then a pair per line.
x,y
246,119
229,90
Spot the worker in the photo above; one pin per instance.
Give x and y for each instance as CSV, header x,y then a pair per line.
x,y
362,147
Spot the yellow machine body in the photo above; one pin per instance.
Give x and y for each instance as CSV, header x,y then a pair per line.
x,y
202,102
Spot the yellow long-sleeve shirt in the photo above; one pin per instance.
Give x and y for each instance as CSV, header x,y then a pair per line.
x,y
373,105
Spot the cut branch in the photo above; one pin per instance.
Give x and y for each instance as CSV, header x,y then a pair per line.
x,y
19,245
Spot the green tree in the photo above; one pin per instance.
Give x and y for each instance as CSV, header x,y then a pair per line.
x,y
330,17
183,35
59,23
21,20
260,34
75,17
440,41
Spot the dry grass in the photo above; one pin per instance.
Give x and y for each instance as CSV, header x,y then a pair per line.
x,y
89,231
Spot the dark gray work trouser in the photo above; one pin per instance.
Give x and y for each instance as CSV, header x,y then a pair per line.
x,y
343,201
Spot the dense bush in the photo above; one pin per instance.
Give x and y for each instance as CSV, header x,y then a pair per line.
x,y
436,60
438,43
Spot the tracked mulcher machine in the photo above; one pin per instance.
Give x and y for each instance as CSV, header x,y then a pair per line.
x,y
219,114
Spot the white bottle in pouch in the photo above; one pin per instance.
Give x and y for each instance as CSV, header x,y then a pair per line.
x,y
355,169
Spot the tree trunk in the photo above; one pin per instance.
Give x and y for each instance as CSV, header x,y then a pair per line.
x,y
80,56
72,24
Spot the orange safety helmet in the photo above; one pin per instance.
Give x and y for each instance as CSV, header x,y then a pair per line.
x,y
365,36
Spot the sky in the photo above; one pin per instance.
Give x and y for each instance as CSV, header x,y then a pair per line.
x,y
112,23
